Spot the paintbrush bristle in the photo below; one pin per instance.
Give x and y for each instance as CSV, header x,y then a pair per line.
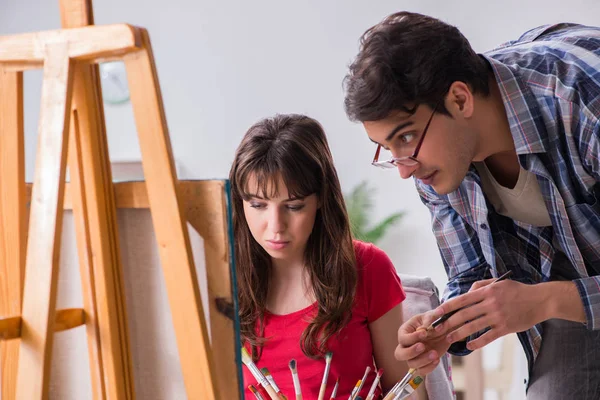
x,y
380,372
293,365
246,359
328,356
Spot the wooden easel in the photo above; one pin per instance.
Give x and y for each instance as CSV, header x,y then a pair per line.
x,y
72,131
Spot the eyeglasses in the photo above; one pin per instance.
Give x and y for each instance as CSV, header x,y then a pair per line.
x,y
408,161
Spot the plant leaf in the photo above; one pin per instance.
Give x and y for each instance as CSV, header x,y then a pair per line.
x,y
358,204
373,235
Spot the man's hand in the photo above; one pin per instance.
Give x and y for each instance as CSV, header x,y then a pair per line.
x,y
421,349
505,307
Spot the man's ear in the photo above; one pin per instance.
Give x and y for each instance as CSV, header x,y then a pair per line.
x,y
460,100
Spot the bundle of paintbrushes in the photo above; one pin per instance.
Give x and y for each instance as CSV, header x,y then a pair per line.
x,y
260,378
266,388
411,380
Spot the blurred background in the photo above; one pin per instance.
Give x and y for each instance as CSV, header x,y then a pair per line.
x,y
224,65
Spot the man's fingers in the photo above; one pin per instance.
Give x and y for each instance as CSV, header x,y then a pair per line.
x,y
409,353
462,317
412,330
423,360
408,339
428,368
468,329
484,339
462,301
431,316
480,284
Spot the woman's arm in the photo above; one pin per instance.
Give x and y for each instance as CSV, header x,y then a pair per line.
x,y
384,335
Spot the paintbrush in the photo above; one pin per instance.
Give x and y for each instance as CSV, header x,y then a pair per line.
x,y
271,380
328,357
255,392
335,389
371,393
354,391
361,382
247,360
296,380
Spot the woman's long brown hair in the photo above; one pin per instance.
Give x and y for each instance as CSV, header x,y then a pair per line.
x,y
295,148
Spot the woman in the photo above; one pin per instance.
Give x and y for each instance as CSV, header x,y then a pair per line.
x,y
305,287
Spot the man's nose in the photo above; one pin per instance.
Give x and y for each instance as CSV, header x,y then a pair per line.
x,y
407,171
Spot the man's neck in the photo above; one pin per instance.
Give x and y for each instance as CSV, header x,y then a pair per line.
x,y
495,142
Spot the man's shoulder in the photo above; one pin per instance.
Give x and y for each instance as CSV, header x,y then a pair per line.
x,y
550,35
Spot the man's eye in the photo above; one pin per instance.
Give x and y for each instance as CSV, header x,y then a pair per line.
x,y
407,137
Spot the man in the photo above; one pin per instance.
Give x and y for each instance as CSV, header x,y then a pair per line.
x,y
504,149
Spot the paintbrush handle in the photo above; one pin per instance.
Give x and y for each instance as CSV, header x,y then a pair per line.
x,y
322,391
272,393
390,396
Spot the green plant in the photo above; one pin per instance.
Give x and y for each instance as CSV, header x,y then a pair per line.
x,y
359,203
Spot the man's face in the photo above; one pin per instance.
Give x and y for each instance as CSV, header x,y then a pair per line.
x,y
445,153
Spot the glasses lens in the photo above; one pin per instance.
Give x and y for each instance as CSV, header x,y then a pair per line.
x,y
407,162
383,164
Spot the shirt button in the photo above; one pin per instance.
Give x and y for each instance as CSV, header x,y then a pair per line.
x,y
484,227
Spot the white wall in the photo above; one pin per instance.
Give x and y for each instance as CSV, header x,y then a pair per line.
x,y
224,65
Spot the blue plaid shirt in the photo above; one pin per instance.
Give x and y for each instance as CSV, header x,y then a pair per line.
x,y
550,83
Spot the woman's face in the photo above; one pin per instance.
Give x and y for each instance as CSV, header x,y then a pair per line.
x,y
280,224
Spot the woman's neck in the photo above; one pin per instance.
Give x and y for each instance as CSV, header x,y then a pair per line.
x,y
290,289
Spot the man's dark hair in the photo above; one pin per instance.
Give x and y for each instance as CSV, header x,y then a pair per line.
x,y
406,60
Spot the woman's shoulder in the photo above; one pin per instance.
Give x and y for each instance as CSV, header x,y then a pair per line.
x,y
379,285
369,256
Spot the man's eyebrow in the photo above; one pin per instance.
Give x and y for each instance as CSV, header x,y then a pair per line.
x,y
401,126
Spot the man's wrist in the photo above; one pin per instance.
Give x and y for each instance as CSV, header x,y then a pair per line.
x,y
561,300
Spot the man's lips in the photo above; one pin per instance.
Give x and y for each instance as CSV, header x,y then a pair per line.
x,y
427,178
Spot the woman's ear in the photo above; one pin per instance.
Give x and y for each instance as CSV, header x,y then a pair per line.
x,y
460,100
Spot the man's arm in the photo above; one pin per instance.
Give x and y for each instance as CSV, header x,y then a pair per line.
x,y
460,250
509,307
588,138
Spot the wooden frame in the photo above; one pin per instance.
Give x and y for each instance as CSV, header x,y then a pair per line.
x,y
12,210
72,130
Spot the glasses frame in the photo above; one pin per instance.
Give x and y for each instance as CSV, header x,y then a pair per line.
x,y
408,161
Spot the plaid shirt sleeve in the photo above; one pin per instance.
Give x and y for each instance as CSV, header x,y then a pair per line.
x,y
460,250
589,288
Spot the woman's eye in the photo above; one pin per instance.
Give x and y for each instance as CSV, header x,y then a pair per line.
x,y
257,205
295,207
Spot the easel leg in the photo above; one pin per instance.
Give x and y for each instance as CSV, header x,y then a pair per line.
x,y
43,247
102,275
13,215
82,229
170,226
